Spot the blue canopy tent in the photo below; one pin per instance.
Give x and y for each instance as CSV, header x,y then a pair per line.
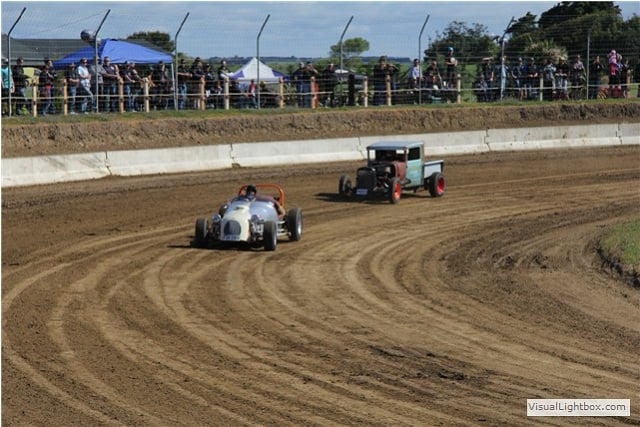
x,y
118,51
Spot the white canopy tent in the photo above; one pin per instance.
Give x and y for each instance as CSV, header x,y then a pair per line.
x,y
250,71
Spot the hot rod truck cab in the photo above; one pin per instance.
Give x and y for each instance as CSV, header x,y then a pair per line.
x,y
393,167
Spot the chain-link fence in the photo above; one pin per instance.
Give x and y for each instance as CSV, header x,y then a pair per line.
x,y
466,78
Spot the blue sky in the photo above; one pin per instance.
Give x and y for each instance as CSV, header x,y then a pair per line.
x,y
297,28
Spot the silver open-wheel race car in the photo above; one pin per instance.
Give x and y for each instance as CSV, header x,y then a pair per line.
x,y
256,217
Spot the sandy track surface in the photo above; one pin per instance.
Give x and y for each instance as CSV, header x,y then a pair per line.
x,y
449,311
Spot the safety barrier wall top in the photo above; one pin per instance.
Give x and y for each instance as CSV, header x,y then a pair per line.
x,y
55,169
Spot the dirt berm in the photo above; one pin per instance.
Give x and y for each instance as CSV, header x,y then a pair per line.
x,y
156,131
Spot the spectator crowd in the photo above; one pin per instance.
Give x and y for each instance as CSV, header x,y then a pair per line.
x,y
106,87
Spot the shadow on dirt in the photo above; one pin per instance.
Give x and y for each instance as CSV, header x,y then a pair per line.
x,y
216,246
336,198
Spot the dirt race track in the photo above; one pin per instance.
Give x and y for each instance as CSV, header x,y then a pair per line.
x,y
449,311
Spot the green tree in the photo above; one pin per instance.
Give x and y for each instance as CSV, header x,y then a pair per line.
x,y
574,28
157,38
568,10
352,49
468,42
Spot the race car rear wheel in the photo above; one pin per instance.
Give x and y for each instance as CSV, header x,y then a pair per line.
x,y
344,186
294,224
202,229
395,190
270,236
437,184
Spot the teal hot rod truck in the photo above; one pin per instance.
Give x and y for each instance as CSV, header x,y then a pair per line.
x,y
393,167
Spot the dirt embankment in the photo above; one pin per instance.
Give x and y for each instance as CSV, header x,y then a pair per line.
x,y
145,132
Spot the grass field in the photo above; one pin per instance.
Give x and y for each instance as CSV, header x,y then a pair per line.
x,y
622,244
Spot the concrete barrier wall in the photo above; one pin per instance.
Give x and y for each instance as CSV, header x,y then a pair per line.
x,y
288,152
169,160
53,169
629,133
76,167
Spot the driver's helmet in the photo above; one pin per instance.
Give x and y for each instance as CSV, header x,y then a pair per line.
x,y
251,191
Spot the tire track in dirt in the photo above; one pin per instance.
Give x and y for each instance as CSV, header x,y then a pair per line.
x,y
448,311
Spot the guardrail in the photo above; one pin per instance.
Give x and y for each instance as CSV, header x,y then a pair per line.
x,y
24,171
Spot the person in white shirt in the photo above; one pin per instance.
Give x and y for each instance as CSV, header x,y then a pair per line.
x,y
84,89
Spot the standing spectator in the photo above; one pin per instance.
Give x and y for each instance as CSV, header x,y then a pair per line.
x,y
308,77
481,89
328,82
614,76
237,98
161,78
268,99
183,79
595,75
97,83
132,82
577,75
84,89
224,73
624,77
562,78
111,79
503,74
451,64
488,73
549,80
415,75
209,85
298,79
531,76
73,81
46,82
252,101
433,79
8,86
517,73
381,71
21,81
196,80
217,93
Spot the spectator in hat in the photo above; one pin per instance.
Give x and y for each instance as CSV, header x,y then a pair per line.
x,y
161,78
517,74
381,72
328,82
309,75
224,72
46,82
131,81
596,70
562,78
111,78
73,81
196,79
183,80
21,81
298,79
451,64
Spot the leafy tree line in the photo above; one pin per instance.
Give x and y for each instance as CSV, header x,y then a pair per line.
x,y
567,29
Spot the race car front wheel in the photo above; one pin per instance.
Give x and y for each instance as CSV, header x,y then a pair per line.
x,y
202,229
270,236
294,224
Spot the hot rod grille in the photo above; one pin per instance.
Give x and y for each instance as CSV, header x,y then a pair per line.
x,y
232,228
